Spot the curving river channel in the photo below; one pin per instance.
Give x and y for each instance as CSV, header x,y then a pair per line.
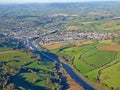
x,y
73,75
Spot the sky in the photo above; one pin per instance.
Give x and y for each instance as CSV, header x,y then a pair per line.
x,y
47,1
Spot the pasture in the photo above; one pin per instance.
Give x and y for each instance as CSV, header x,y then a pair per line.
x,y
96,61
28,72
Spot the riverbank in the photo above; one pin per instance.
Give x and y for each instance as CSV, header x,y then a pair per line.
x,y
96,86
72,85
68,69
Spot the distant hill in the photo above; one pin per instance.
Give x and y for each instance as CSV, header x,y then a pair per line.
x,y
63,16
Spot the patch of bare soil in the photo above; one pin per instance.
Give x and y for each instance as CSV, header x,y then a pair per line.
x,y
54,46
109,48
58,45
83,43
72,84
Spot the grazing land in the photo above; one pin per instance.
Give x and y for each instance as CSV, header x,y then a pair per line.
x,y
32,71
96,61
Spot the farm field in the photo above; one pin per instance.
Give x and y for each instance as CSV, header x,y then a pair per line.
x,y
96,61
54,46
109,48
109,74
97,25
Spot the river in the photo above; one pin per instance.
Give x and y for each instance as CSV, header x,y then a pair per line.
x,y
69,70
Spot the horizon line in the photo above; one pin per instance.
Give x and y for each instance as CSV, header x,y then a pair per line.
x,y
54,2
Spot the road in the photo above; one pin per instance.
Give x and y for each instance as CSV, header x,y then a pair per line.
x,y
69,70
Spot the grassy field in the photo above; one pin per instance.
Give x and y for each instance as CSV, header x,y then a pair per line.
x,y
111,75
34,74
14,58
4,49
109,25
96,64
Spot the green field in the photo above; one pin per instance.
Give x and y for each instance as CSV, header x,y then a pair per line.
x,y
97,65
4,49
110,76
28,73
100,25
14,58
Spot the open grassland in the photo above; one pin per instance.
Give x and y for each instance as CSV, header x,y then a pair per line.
x,y
99,62
14,58
37,79
110,76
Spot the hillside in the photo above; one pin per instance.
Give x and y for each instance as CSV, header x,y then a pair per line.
x,y
61,16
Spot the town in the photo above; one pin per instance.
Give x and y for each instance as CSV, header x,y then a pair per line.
x,y
47,37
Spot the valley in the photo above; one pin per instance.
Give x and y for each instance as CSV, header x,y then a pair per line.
x,y
60,46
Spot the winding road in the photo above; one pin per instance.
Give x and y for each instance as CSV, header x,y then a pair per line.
x,y
69,70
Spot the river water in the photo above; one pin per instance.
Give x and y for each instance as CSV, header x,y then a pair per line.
x,y
73,75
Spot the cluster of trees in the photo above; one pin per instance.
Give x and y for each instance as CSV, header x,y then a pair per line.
x,y
5,76
12,43
54,76
59,80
